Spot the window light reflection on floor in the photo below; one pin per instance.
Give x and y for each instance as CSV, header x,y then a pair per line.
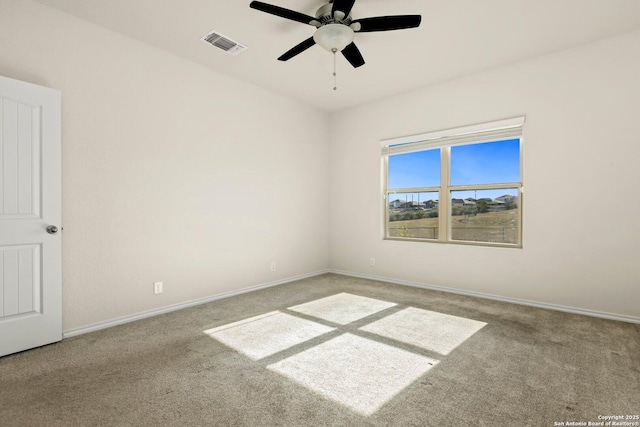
x,y
267,334
426,329
342,308
356,372
361,369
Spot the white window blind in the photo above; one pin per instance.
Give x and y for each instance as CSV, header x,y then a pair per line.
x,y
494,131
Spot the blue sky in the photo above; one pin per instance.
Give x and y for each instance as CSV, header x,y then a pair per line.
x,y
488,163
420,169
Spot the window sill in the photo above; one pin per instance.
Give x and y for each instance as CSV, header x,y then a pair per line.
x,y
456,242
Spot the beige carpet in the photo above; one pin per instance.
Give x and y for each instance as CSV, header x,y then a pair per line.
x,y
333,350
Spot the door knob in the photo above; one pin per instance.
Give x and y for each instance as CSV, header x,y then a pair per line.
x,y
52,229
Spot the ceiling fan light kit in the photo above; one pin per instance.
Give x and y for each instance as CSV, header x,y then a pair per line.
x,y
335,28
333,37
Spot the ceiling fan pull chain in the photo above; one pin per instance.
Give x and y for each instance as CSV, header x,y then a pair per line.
x,y
335,84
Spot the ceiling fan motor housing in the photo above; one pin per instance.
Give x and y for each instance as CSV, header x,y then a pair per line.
x,y
323,15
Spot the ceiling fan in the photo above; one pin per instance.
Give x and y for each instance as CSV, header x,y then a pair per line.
x,y
335,28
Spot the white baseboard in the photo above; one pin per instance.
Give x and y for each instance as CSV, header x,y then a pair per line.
x,y
155,312
592,313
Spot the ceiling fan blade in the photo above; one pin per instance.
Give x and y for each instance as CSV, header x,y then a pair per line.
x,y
297,49
353,55
387,23
282,12
343,6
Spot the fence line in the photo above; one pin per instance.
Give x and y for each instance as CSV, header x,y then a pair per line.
x,y
495,231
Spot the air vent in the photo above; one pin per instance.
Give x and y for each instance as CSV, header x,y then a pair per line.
x,y
223,42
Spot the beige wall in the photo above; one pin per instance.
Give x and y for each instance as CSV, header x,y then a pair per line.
x,y
171,172
581,207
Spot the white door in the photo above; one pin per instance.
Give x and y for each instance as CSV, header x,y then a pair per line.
x,y
30,202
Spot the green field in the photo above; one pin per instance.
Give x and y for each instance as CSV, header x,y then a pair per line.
x,y
495,227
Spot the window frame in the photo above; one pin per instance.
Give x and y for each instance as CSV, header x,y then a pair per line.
x,y
502,130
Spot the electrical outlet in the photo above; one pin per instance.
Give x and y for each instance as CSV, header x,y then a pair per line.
x,y
273,266
157,288
372,262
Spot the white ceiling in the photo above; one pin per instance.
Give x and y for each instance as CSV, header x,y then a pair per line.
x,y
456,38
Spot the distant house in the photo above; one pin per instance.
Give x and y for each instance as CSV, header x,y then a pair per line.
x,y
431,204
507,198
469,202
396,204
457,203
496,205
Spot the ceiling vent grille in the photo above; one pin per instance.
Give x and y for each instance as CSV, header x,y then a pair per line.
x,y
223,42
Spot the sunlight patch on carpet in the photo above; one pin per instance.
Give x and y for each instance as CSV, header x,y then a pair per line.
x,y
426,329
342,308
267,334
356,372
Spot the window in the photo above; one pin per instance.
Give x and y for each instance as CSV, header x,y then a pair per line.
x,y
456,186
